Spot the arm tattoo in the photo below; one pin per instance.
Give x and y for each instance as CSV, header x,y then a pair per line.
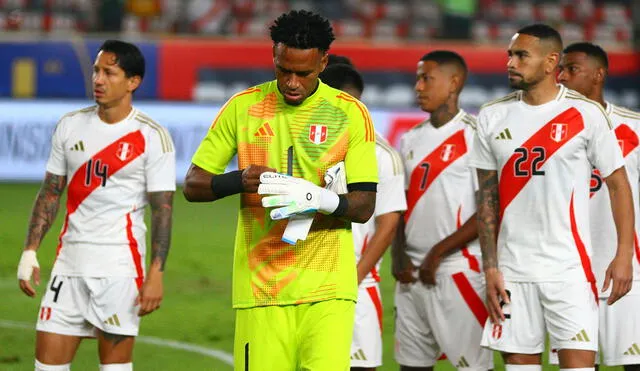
x,y
488,203
45,208
161,211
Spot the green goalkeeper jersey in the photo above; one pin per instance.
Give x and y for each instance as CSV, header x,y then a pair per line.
x,y
328,127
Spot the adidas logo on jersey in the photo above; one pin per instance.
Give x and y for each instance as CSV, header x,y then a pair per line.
x,y
634,350
505,134
264,131
462,363
581,336
77,147
113,320
359,355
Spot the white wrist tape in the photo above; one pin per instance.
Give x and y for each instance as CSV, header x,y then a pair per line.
x,y
28,261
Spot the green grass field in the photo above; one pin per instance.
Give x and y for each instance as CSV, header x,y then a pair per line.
x,y
197,305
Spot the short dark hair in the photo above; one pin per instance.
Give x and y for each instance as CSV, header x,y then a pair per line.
x,y
302,29
340,74
543,32
591,50
446,57
128,57
335,59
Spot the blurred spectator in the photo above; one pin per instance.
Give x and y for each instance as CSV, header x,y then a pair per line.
x,y
457,18
110,15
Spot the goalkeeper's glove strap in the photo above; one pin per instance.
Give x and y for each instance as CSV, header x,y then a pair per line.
x,y
343,205
227,184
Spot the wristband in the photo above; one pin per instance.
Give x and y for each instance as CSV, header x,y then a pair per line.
x,y
343,205
227,184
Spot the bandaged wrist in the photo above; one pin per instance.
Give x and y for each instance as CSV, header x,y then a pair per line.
x,y
329,201
28,261
227,184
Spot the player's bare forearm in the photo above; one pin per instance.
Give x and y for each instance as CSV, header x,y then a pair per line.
x,y
45,209
622,209
161,217
386,225
361,206
487,216
460,238
197,185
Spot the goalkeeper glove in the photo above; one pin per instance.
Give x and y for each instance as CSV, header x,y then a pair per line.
x,y
294,196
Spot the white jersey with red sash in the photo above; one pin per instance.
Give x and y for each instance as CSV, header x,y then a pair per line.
x,y
604,237
440,189
109,169
544,155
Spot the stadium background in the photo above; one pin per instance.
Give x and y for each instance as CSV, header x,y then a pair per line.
x,y
199,53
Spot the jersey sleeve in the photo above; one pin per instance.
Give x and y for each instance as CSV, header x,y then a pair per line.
x,y
603,149
481,155
57,163
360,161
390,195
160,165
220,144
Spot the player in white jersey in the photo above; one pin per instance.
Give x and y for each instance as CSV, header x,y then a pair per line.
x,y
584,68
439,307
114,160
372,238
534,152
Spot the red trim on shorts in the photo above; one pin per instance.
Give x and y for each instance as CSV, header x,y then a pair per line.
x,y
375,298
473,262
582,251
637,246
470,296
133,246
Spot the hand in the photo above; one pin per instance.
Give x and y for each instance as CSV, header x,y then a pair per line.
x,y
404,274
621,272
150,295
295,195
430,265
27,267
251,177
495,294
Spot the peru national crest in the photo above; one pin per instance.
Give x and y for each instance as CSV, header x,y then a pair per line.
x,y
558,132
125,150
318,134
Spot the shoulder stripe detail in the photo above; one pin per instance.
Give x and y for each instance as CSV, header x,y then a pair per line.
x,y
471,121
395,157
506,98
165,138
83,110
245,92
626,113
582,98
369,135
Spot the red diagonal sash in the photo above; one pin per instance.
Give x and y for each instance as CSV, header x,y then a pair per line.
x,y
431,166
551,137
628,141
113,158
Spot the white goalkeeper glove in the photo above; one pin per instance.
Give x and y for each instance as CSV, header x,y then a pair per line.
x,y
336,178
28,262
294,196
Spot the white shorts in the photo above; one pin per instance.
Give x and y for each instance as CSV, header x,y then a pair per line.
x,y
77,306
366,347
445,318
567,311
619,331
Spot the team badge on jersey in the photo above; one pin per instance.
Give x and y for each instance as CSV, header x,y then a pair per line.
x,y
448,152
318,134
558,132
125,150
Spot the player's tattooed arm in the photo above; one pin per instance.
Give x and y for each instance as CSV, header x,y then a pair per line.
x,y
45,209
161,214
361,206
488,203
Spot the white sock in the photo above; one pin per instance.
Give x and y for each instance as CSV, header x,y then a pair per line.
x,y
509,367
117,367
42,367
579,369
